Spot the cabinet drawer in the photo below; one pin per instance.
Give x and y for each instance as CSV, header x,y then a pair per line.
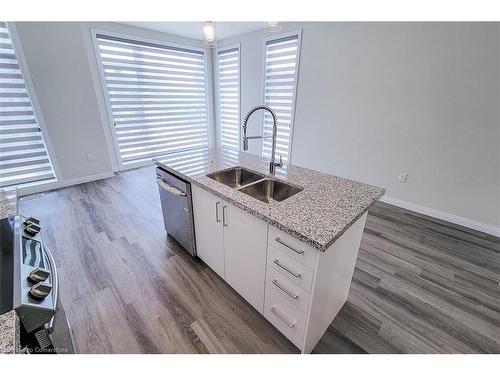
x,y
290,268
286,317
290,291
291,246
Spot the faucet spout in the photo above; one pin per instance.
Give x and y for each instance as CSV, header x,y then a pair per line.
x,y
272,164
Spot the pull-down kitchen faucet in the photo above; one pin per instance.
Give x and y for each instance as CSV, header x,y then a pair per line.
x,y
272,164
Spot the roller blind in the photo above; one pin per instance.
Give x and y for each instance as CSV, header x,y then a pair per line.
x,y
229,97
280,80
156,95
23,154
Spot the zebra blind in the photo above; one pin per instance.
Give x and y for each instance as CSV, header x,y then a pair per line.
x,y
157,97
280,80
23,154
229,97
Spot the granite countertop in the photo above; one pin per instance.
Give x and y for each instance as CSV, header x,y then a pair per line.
x,y
9,333
9,322
8,202
318,215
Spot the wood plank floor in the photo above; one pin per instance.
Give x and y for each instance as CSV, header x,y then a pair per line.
x,y
420,285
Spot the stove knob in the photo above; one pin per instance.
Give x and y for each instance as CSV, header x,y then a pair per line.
x,y
38,275
32,229
32,220
40,290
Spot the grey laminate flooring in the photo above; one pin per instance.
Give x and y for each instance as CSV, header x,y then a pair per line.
x,y
420,285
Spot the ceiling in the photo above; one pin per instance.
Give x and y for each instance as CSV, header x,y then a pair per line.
x,y
194,29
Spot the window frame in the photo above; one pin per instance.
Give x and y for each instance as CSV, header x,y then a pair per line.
x,y
269,38
217,91
102,79
36,186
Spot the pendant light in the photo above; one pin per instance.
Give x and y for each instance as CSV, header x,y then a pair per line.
x,y
209,34
273,26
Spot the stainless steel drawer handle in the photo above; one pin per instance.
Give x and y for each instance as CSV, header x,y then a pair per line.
x,y
224,223
217,218
277,239
290,294
291,325
169,188
295,274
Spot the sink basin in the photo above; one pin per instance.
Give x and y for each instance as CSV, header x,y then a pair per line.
x,y
269,190
254,184
235,177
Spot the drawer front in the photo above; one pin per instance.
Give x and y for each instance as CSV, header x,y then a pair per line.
x,y
290,291
290,268
296,249
286,317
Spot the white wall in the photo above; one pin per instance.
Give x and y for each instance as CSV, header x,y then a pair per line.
x,y
376,99
61,61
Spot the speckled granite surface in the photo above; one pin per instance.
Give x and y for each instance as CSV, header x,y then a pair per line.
x,y
8,202
318,215
9,322
9,333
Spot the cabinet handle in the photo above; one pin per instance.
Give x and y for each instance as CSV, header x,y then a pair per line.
x,y
217,219
291,325
300,252
224,216
295,274
290,294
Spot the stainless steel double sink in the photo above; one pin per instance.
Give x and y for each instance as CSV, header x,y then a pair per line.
x,y
255,185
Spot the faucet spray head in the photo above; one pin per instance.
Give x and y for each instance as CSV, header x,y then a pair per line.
x,y
245,144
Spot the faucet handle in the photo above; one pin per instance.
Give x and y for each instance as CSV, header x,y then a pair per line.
x,y
280,163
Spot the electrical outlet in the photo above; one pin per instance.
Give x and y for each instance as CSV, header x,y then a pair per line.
x,y
90,157
402,177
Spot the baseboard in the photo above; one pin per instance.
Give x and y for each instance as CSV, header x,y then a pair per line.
x,y
60,184
82,180
463,221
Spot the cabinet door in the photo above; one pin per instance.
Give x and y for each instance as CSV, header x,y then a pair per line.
x,y
208,229
245,241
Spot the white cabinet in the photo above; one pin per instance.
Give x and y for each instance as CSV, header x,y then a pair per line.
x,y
297,288
295,271
292,247
284,315
207,211
232,243
306,288
245,241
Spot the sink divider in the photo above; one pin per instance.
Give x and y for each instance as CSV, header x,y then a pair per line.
x,y
251,183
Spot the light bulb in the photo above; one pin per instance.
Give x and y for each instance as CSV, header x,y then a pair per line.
x,y
209,34
273,26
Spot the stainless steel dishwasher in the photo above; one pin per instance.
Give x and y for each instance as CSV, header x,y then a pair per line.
x,y
177,207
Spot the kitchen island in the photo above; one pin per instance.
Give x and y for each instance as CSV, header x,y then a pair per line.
x,y
293,259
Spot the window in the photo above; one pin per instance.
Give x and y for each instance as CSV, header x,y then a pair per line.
x,y
228,64
280,84
23,154
156,95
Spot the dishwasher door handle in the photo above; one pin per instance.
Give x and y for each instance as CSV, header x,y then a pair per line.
x,y
169,188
